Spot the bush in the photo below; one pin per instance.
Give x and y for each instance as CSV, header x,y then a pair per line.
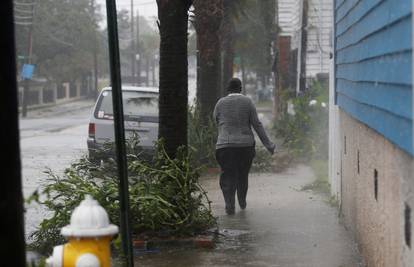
x,y
305,134
165,196
262,162
321,183
202,137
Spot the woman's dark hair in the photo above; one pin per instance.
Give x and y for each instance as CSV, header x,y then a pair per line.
x,y
234,85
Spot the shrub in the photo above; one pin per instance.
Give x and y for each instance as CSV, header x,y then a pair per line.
x,y
165,196
305,134
202,138
262,161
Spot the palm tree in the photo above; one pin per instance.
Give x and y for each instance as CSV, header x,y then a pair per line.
x,y
208,19
268,9
233,10
267,12
173,98
259,14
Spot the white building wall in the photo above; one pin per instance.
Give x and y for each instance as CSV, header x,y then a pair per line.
x,y
289,17
296,23
320,18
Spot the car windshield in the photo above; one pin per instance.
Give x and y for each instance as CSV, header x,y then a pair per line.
x,y
135,104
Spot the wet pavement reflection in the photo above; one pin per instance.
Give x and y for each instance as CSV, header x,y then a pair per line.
x,y
282,226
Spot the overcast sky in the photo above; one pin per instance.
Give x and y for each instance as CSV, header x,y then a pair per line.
x,y
147,8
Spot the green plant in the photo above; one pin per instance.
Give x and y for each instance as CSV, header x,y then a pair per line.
x,y
165,195
202,139
305,133
262,161
173,201
37,263
321,183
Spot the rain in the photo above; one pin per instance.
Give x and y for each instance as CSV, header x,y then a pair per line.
x,y
208,133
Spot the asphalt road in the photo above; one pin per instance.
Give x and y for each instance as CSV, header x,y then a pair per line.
x,y
50,139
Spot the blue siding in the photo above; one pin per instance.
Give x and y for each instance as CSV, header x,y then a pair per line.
x,y
393,69
377,95
383,41
373,66
375,18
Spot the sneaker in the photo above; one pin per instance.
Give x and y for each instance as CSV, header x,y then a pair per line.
x,y
243,205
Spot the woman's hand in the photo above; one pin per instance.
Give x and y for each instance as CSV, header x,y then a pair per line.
x,y
272,149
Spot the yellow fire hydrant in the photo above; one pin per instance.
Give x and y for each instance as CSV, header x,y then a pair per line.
x,y
89,235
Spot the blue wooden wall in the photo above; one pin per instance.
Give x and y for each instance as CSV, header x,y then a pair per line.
x,y
373,66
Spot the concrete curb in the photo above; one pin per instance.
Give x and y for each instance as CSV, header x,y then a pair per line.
x,y
54,104
60,108
202,241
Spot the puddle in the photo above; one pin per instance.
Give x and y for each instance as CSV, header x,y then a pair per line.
x,y
232,232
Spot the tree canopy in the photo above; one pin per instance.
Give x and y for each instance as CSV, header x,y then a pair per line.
x,y
63,38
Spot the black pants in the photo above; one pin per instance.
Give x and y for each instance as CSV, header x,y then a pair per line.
x,y
235,163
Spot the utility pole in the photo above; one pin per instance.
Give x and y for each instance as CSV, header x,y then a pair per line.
x,y
153,71
26,83
137,56
95,54
12,242
303,45
132,44
277,94
147,70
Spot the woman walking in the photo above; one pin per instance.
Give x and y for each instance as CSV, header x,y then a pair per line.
x,y
235,114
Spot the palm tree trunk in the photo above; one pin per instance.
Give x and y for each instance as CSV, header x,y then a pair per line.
x,y
209,16
228,59
173,71
209,90
227,43
267,11
243,74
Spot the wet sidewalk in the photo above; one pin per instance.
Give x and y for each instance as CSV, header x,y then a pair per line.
x,y
282,226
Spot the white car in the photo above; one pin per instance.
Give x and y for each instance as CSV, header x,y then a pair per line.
x,y
140,114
